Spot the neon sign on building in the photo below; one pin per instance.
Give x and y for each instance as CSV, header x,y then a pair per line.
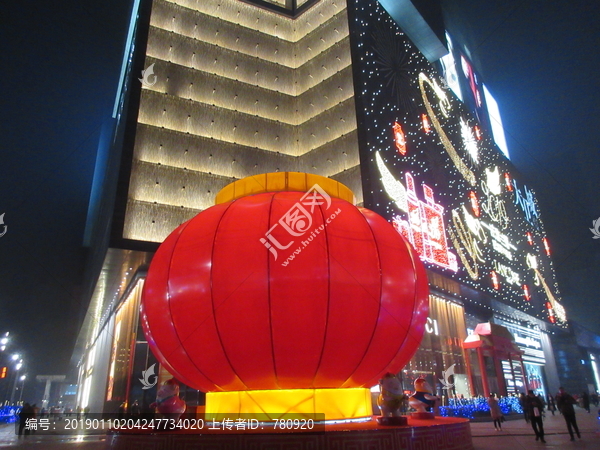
x,y
425,227
445,185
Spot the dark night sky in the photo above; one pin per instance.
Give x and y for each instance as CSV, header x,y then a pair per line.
x,y
60,67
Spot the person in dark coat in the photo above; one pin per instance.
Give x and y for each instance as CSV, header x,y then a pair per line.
x,y
535,409
586,401
136,410
551,404
565,402
27,412
522,400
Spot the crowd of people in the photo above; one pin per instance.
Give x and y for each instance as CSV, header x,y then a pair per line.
x,y
534,407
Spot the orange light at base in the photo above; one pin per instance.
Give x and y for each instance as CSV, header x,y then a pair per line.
x,y
477,133
273,404
399,138
3,372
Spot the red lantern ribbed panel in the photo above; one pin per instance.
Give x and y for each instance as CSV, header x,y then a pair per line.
x,y
240,294
397,281
343,302
420,308
156,317
354,293
297,343
191,299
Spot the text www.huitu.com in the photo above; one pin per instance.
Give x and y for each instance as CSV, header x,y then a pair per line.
x,y
310,238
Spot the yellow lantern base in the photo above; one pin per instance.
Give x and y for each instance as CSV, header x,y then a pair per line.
x,y
283,181
302,403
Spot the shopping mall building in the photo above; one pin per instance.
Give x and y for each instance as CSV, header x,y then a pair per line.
x,y
373,94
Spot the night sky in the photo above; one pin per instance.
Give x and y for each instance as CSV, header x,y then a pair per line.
x,y
60,68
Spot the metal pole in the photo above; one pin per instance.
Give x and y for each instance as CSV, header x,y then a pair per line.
x,y
21,393
12,395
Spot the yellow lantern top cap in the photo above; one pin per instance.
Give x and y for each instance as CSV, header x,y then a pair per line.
x,y
283,181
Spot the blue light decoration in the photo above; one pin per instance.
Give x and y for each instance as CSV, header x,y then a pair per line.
x,y
472,407
445,185
9,414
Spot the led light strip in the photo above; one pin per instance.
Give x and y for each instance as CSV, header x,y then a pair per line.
x,y
469,244
456,159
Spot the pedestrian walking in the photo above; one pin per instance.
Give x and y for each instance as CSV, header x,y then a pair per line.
x,y
586,401
136,410
522,400
565,402
27,413
535,409
122,408
551,404
594,399
495,412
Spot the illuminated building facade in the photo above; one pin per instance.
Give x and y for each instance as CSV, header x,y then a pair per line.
x,y
237,88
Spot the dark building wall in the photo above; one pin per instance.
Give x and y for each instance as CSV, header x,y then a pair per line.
x,y
573,375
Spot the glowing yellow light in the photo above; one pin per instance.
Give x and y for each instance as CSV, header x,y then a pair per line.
x,y
283,181
272,404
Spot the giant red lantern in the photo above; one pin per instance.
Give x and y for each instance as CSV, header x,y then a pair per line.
x,y
289,288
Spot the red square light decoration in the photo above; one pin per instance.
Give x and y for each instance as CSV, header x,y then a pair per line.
x,y
546,246
474,203
551,315
508,182
425,121
529,238
399,138
526,292
495,282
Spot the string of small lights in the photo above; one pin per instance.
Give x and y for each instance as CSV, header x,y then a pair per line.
x,y
473,219
472,407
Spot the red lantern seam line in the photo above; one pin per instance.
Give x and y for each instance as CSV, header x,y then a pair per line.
x,y
391,315
408,335
269,292
212,301
379,307
166,357
155,345
328,301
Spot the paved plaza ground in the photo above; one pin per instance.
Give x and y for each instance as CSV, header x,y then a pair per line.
x,y
516,435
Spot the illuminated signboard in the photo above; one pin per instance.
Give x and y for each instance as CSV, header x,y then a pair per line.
x,y
432,169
